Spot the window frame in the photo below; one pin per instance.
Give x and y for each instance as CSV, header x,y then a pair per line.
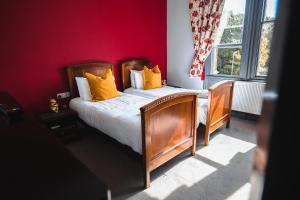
x,y
253,22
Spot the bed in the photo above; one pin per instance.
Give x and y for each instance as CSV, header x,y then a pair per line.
x,y
157,129
213,111
167,90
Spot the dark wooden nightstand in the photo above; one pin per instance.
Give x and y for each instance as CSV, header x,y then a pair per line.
x,y
63,124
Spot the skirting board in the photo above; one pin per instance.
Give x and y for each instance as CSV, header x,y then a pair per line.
x,y
243,115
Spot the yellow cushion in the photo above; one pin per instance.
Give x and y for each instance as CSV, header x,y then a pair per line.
x,y
102,88
152,78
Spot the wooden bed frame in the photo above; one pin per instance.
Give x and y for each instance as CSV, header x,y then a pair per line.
x,y
168,123
219,97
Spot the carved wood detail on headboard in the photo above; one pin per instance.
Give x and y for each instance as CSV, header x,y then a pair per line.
x,y
78,70
134,64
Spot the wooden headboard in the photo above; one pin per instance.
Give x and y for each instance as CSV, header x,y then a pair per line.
x,y
78,70
127,65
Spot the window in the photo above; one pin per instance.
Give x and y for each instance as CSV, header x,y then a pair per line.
x,y
242,46
267,24
226,54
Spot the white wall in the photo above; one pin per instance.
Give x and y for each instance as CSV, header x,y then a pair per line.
x,y
180,45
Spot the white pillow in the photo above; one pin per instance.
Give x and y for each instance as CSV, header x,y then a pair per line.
x,y
132,78
138,79
83,88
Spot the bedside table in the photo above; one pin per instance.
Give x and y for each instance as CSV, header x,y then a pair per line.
x,y
63,124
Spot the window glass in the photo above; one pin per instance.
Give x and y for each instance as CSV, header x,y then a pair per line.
x,y
232,35
226,54
265,46
266,37
232,22
228,60
270,10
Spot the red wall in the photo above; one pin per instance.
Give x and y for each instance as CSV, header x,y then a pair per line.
x,y
39,38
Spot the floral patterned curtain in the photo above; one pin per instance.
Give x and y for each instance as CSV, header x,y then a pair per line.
x,y
205,20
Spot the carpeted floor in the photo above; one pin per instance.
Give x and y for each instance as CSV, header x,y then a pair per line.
x,y
218,171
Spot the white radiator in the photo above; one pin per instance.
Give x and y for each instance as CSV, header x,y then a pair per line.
x,y
247,97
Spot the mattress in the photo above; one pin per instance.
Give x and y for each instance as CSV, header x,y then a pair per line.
x,y
166,90
119,117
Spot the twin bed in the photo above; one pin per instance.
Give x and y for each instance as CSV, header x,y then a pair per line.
x,y
214,105
158,127
158,130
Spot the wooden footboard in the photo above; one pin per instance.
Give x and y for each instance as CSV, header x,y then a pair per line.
x,y
168,127
219,107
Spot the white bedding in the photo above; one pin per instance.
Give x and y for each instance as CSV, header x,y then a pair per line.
x,y
118,117
159,92
166,90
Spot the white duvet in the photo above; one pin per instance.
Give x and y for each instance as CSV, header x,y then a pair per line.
x,y
166,90
119,117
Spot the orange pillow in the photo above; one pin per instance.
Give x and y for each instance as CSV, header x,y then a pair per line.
x,y
152,78
102,88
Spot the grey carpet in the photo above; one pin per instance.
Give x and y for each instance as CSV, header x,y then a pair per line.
x,y
218,171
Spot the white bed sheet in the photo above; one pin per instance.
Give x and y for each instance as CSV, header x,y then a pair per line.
x,y
119,117
166,90
159,92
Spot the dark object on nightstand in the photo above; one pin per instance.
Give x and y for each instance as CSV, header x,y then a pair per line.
x,y
63,124
10,110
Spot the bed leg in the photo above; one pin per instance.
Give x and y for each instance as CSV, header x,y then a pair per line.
x,y
194,145
206,136
147,179
193,150
228,124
